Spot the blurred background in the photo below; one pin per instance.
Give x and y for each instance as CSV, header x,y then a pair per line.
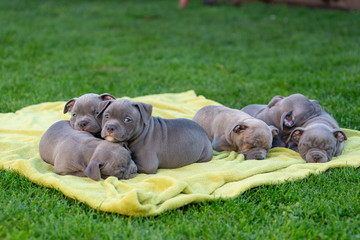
x,y
236,54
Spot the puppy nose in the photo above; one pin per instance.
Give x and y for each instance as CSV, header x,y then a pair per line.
x,y
316,157
83,124
110,128
255,155
259,157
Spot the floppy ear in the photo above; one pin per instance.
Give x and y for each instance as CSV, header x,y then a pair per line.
x,y
69,105
287,119
317,107
131,170
274,100
107,97
296,134
340,135
145,111
102,106
93,170
274,131
239,127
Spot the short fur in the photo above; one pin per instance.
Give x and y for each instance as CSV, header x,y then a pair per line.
x,y
155,142
319,139
81,154
234,130
84,111
285,113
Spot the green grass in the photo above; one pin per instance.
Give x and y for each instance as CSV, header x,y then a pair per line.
x,y
55,50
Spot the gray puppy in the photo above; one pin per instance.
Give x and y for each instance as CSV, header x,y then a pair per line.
x,y
234,130
79,153
319,139
83,111
155,142
285,113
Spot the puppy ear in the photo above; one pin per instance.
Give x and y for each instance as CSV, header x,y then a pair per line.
x,y
145,111
239,127
107,97
274,131
340,135
101,108
287,119
274,100
93,171
317,107
296,134
131,170
69,105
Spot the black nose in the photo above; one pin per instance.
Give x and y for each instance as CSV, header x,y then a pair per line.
x,y
83,124
316,157
259,157
110,128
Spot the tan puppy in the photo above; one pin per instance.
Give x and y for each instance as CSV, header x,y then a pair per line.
x,y
234,130
83,111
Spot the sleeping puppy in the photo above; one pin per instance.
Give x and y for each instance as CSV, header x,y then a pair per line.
x,y
319,139
155,142
234,130
79,153
285,113
83,111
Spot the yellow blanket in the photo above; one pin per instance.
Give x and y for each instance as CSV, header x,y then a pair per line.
x,y
226,176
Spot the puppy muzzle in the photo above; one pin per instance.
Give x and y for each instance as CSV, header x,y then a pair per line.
x,y
112,133
316,156
86,125
255,154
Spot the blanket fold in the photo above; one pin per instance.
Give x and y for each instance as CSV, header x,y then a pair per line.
x,y
226,176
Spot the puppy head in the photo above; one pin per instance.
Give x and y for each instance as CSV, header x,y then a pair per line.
x,y
84,110
253,138
123,120
116,162
293,110
318,143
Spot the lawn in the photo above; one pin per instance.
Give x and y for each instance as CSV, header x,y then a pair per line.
x,y
55,50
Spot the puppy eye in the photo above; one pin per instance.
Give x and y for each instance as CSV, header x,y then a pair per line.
x,y
127,120
74,115
106,115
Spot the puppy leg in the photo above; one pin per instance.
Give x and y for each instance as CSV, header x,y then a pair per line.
x,y
220,145
146,163
77,173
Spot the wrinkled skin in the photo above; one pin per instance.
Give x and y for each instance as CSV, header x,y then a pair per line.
x,y
319,140
234,130
285,113
84,110
155,142
79,153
